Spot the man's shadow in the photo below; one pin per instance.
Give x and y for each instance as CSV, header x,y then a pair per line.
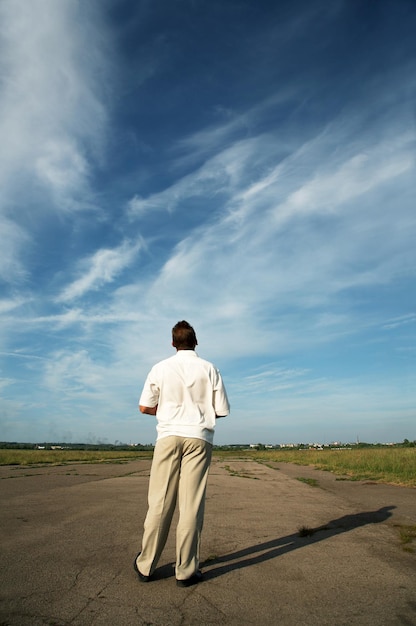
x,y
282,545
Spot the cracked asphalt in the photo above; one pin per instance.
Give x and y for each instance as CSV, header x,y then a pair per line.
x,y
69,535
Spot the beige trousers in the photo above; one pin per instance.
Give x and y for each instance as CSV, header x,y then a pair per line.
x,y
179,472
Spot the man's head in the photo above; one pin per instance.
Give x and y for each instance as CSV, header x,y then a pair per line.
x,y
183,336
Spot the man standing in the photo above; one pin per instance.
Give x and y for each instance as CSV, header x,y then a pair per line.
x,y
187,395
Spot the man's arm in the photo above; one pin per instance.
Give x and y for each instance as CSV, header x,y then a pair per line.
x,y
220,400
150,410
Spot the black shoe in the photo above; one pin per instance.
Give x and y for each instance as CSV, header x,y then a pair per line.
x,y
142,577
193,580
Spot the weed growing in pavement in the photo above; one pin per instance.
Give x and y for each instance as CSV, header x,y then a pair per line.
x,y
234,472
407,534
308,481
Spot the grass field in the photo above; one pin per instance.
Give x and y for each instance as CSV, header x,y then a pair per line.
x,y
387,465
62,457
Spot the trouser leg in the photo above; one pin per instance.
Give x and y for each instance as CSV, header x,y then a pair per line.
x,y
196,459
163,489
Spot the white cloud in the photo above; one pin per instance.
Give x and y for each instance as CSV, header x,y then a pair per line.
x,y
402,320
99,269
221,174
9,304
12,242
52,119
52,116
331,188
73,372
286,243
62,168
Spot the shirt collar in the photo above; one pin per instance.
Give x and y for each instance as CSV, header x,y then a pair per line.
x,y
183,354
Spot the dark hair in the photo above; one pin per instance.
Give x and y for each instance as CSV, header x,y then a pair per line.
x,y
183,336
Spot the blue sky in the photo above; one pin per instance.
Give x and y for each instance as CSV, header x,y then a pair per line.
x,y
246,166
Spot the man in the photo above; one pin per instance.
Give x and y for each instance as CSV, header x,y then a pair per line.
x,y
187,395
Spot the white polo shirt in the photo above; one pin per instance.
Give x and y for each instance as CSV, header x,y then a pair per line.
x,y
189,393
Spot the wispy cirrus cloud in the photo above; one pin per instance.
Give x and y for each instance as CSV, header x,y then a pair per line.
x,y
347,255
402,320
218,175
99,269
12,241
73,372
9,304
53,120
52,116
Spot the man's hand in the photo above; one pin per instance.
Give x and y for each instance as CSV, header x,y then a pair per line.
x,y
150,410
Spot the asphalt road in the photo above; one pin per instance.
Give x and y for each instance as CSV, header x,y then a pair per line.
x,y
69,535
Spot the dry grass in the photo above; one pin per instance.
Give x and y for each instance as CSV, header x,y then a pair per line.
x,y
387,465
62,457
396,465
407,535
